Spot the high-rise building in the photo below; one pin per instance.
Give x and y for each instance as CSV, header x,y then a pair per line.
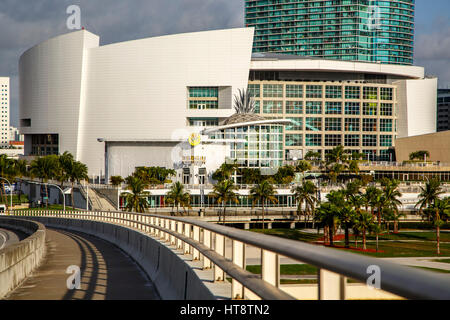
x,y
355,30
4,108
443,109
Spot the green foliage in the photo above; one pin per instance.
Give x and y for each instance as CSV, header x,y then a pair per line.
x,y
262,193
224,192
153,175
116,180
225,171
305,193
419,155
284,175
178,196
136,199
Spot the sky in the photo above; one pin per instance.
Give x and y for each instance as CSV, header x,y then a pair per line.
x,y
26,23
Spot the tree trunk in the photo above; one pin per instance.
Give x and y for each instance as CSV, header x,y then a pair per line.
x,y
437,240
364,239
263,214
224,208
395,226
377,241
331,233
347,237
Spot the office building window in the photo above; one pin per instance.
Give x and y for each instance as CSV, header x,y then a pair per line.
x,y
386,109
352,124
203,92
294,107
333,92
296,124
369,140
332,140
313,107
351,140
273,91
333,124
386,94
386,125
352,108
313,140
257,106
203,104
294,91
273,106
352,92
254,90
370,108
294,140
370,93
313,124
385,141
333,107
313,91
369,124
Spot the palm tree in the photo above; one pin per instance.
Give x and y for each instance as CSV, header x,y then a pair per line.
x,y
372,198
303,166
390,214
224,192
305,193
116,180
22,171
178,196
6,168
137,198
429,198
243,102
327,214
440,207
391,196
78,172
364,222
263,192
45,168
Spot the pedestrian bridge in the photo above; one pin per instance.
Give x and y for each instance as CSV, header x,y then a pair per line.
x,y
185,258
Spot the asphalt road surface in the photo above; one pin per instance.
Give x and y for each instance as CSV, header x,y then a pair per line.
x,y
8,237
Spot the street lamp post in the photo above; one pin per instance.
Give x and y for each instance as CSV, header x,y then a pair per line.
x,y
10,191
64,197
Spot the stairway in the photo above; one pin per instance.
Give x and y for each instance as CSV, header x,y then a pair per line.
x,y
99,203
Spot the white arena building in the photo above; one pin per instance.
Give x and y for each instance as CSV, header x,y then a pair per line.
x,y
139,100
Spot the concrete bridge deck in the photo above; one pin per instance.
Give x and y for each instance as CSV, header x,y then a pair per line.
x,y
106,272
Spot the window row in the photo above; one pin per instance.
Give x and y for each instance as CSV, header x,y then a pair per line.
x,y
332,140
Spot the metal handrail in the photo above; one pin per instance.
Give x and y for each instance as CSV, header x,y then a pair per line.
x,y
403,281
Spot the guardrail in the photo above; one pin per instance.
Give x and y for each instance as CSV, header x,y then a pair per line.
x,y
206,242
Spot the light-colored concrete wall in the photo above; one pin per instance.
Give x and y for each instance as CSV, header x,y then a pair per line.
x,y
170,274
417,108
438,144
17,261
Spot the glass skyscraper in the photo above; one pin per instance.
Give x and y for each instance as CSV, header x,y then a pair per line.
x,y
352,30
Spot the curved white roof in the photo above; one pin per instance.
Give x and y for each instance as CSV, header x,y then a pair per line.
x,y
283,62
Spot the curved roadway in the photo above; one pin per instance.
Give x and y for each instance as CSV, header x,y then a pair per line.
x,y
8,237
106,272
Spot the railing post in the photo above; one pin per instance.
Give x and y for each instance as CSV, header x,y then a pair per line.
x,y
167,227
187,233
152,223
219,247
207,242
180,231
157,224
237,289
270,267
331,285
196,236
172,228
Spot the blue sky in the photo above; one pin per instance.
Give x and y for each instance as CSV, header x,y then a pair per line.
x,y
25,23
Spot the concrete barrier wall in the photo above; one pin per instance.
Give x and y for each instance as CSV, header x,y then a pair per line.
x,y
17,261
172,277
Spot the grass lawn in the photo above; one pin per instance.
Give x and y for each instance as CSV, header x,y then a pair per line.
x,y
23,199
424,247
293,234
288,269
442,260
50,207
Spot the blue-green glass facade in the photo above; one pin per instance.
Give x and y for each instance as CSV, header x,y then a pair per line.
x,y
353,30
